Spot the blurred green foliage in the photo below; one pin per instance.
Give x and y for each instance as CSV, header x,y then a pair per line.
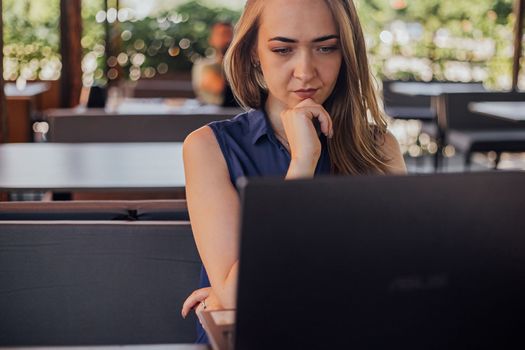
x,y
407,39
169,41
31,39
468,24
169,29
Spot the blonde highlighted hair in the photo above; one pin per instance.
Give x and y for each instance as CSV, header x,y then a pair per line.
x,y
359,126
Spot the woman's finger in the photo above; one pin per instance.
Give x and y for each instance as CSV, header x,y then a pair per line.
x,y
189,304
316,110
325,121
197,296
194,299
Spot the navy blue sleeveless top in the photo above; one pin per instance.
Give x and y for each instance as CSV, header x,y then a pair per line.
x,y
250,148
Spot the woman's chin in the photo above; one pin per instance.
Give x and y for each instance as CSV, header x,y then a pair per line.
x,y
296,100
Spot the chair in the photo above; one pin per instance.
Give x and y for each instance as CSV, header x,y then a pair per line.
x,y
399,106
470,132
95,282
405,107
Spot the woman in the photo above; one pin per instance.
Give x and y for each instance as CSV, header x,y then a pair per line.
x,y
293,62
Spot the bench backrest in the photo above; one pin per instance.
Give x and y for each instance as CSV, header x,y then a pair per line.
x,y
126,128
392,99
95,283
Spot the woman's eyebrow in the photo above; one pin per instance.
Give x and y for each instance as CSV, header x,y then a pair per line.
x,y
325,38
316,40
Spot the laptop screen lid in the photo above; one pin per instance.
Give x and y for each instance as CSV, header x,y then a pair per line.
x,y
413,262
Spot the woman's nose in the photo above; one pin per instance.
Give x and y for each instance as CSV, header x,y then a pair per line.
x,y
304,68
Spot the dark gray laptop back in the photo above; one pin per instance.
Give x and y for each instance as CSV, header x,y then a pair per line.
x,y
416,262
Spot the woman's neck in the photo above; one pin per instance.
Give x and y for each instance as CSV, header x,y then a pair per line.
x,y
273,109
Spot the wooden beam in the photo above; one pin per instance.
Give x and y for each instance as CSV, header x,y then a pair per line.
x,y
3,102
71,51
519,9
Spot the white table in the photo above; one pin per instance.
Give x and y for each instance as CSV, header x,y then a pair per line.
x,y
434,88
91,167
29,90
511,110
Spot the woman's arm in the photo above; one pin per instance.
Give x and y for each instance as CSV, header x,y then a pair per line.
x,y
304,143
213,205
392,152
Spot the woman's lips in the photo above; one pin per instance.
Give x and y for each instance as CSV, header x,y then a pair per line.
x,y
305,93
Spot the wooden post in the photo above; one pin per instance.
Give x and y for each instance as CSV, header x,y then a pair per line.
x,y
113,45
107,40
71,51
3,102
519,7
117,43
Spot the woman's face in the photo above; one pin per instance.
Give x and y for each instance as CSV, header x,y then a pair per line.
x,y
298,50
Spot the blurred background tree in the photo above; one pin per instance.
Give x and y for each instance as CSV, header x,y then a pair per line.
x,y
165,41
161,42
440,39
31,40
468,40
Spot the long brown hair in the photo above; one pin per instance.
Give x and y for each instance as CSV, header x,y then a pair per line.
x,y
359,126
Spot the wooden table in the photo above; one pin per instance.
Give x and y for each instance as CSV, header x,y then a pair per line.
x,y
133,120
510,111
119,347
93,168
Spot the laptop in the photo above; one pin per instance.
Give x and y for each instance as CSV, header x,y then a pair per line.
x,y
408,262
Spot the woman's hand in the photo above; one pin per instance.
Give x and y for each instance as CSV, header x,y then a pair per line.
x,y
304,143
201,299
194,300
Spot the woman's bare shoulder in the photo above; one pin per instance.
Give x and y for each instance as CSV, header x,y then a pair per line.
x,y
202,137
201,150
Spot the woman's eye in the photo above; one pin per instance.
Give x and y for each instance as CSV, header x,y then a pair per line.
x,y
327,49
282,50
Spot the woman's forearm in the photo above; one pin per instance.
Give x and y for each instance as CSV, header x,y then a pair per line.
x,y
226,292
301,169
